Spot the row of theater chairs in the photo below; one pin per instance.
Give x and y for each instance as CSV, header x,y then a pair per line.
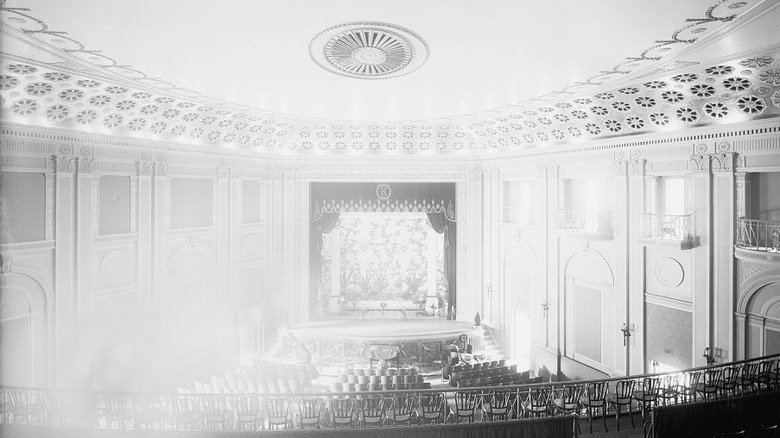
x,y
490,376
263,377
301,372
397,385
390,371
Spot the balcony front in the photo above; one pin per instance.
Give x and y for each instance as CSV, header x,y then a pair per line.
x,y
758,240
522,217
594,225
670,230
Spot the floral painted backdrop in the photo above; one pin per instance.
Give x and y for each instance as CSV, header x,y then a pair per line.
x,y
384,260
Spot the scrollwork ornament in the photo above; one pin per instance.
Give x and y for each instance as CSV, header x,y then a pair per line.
x,y
723,162
160,169
699,163
619,168
145,168
87,165
636,166
65,164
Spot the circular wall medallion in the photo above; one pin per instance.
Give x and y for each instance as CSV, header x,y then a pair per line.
x,y
669,272
369,50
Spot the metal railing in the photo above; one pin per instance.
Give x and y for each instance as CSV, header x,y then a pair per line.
x,y
678,228
758,235
518,216
599,222
391,408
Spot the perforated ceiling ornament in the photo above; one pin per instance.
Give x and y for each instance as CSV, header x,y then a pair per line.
x,y
369,50
99,97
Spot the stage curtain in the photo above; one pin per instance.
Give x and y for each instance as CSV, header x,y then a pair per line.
x,y
324,224
708,418
442,225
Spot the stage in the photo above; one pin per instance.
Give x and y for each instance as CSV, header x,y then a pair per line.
x,y
350,341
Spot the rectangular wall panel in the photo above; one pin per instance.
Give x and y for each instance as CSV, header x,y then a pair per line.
x,y
250,202
191,203
587,322
114,205
22,207
772,345
669,336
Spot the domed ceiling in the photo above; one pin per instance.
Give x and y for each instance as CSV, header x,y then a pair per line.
x,y
446,77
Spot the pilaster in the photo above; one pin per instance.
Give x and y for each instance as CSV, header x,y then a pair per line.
x,y
622,222
635,267
144,228
724,223
64,225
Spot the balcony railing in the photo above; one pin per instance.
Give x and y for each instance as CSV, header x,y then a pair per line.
x,y
758,235
593,222
674,227
445,406
518,216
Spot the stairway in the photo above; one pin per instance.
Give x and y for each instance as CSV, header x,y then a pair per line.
x,y
490,346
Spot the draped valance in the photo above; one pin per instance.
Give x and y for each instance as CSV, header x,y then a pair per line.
x,y
383,198
396,206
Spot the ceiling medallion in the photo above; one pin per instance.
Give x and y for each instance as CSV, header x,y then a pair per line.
x,y
369,50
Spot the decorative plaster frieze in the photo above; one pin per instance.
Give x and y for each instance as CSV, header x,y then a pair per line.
x,y
223,172
723,147
548,170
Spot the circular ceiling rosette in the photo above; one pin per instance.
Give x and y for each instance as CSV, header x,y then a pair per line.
x,y
369,50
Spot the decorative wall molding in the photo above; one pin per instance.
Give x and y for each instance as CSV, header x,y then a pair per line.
x,y
715,163
760,257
